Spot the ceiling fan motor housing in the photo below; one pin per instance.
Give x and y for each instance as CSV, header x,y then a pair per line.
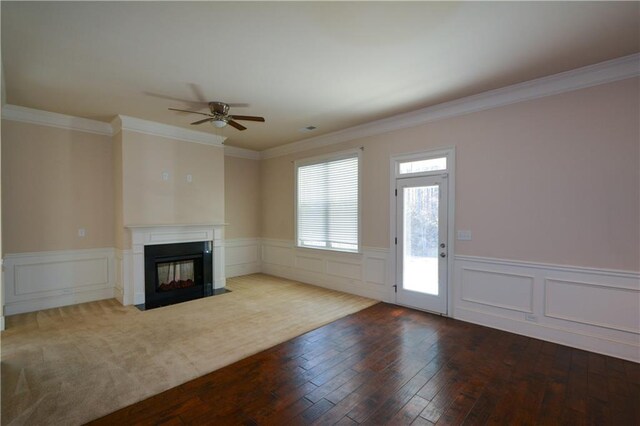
x,y
219,108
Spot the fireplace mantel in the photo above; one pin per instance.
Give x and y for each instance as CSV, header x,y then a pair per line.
x,y
145,235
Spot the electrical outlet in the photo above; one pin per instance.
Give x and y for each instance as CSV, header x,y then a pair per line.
x,y
165,176
82,232
531,317
189,178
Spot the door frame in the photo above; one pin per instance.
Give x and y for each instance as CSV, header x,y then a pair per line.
x,y
395,160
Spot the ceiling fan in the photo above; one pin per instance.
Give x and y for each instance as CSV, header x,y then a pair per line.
x,y
220,117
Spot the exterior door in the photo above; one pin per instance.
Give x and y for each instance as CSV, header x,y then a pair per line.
x,y
421,229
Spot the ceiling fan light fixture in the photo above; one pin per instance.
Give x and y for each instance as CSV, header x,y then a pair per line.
x,y
219,123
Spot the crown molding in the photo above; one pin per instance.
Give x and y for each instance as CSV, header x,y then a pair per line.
x,y
123,122
234,151
53,119
580,78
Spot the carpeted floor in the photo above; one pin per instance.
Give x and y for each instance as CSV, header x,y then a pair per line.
x,y
73,364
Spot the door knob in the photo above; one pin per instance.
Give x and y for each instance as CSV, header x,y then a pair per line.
x,y
443,255
442,245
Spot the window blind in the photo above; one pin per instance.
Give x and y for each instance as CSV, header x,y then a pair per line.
x,y
327,210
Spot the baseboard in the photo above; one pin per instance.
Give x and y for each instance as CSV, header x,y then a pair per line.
x,y
44,280
597,310
365,274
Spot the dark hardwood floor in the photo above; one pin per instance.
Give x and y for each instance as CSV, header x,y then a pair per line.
x,y
391,365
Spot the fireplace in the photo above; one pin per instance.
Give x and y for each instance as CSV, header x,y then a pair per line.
x,y
176,273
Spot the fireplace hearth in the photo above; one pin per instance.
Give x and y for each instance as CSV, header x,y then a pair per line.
x,y
177,273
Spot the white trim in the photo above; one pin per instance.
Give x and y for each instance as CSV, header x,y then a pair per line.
x,y
580,78
450,154
53,119
528,309
633,293
575,318
550,266
234,151
50,279
62,121
123,122
551,333
365,274
242,256
133,278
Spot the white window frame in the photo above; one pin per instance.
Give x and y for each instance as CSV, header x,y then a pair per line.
x,y
322,159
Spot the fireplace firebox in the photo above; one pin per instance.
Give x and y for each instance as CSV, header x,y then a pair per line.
x,y
176,273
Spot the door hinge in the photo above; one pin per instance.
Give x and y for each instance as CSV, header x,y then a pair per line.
x,y
395,288
396,240
396,192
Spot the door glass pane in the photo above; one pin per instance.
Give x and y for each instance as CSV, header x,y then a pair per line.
x,y
420,263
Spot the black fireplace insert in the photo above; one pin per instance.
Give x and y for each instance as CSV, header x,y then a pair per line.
x,y
175,273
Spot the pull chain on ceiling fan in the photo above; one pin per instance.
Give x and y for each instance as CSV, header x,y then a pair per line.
x,y
220,117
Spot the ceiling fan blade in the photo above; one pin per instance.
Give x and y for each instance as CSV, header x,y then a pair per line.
x,y
192,112
248,118
197,91
202,121
236,125
195,104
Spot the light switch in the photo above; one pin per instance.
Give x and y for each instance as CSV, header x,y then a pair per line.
x,y
165,175
189,178
464,235
82,232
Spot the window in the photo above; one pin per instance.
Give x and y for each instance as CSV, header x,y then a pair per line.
x,y
419,166
327,207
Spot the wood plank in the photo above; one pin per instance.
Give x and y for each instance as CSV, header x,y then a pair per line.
x,y
393,365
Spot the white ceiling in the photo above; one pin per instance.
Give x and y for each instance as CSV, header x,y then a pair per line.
x,y
328,64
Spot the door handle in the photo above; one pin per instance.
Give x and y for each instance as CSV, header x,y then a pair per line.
x,y
442,245
443,254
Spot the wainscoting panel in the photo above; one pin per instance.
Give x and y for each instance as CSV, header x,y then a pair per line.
x,y
44,280
493,288
592,309
242,256
365,274
603,306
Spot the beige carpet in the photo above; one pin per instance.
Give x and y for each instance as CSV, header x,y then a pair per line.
x,y
73,364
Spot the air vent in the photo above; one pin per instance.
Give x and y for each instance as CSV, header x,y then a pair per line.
x,y
307,129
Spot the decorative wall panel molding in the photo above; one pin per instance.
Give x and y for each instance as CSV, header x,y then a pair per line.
x,y
592,309
43,280
242,256
499,289
365,274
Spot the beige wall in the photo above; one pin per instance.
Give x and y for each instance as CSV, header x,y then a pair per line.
x,y
553,180
55,181
242,197
122,236
148,200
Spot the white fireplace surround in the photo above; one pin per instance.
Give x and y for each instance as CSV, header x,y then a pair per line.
x,y
146,235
